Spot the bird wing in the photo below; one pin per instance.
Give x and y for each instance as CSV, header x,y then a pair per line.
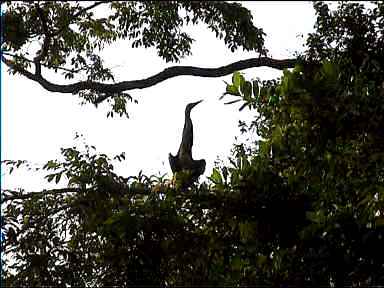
x,y
174,163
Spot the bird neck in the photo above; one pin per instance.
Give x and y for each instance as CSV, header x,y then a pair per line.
x,y
188,120
188,129
187,139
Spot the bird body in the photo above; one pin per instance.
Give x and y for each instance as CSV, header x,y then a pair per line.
x,y
183,160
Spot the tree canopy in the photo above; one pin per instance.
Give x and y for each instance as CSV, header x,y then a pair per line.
x,y
301,206
71,35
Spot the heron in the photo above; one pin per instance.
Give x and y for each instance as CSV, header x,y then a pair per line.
x,y
183,161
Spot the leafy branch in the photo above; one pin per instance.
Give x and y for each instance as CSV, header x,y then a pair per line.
x,y
17,195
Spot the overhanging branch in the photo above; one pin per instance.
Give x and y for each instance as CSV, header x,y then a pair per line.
x,y
167,73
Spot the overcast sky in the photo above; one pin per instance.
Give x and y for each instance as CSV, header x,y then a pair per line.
x,y
37,123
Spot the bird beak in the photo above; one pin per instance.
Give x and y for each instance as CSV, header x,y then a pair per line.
x,y
194,104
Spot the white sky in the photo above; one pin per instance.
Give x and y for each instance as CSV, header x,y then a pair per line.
x,y
36,123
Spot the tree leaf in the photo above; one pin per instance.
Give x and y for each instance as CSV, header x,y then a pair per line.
x,y
233,101
57,178
232,90
255,88
216,177
243,106
237,79
246,90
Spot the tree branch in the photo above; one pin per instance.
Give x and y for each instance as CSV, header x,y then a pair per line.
x,y
110,89
18,196
88,8
74,71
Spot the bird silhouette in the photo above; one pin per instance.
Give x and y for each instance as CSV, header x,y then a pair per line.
x,y
183,161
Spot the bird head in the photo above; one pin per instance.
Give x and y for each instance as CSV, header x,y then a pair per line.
x,y
189,107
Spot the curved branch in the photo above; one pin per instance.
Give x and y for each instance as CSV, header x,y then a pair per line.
x,y
110,89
